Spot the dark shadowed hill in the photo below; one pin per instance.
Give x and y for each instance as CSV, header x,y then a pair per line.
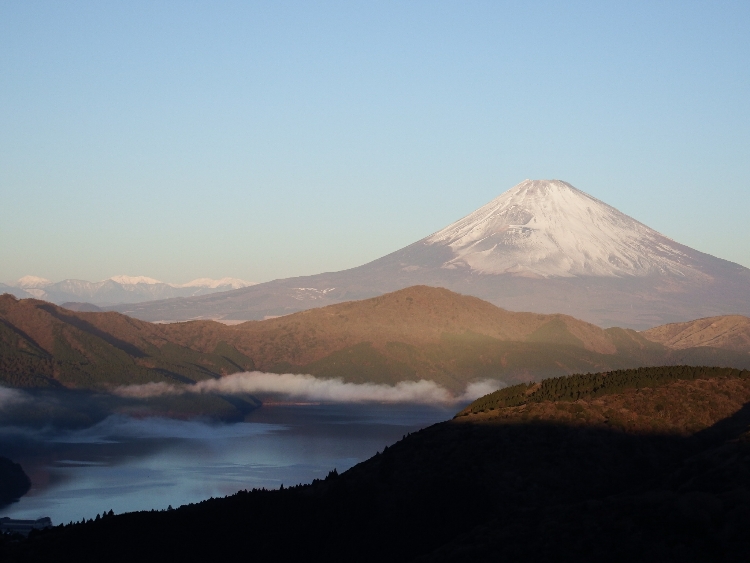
x,y
657,471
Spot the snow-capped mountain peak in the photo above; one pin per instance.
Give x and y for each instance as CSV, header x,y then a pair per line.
x,y
132,280
33,282
548,228
119,289
207,283
234,283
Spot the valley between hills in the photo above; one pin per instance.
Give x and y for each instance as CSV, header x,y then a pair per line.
x,y
418,333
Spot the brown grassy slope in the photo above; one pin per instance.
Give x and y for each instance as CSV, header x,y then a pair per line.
x,y
425,333
416,333
433,333
729,332
415,315
43,323
41,343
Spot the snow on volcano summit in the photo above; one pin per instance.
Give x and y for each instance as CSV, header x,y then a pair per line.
x,y
548,228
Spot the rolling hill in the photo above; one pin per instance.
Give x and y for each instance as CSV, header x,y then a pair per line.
x,y
730,332
416,333
43,345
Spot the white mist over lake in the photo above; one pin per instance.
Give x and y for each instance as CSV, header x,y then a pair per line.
x,y
128,464
309,388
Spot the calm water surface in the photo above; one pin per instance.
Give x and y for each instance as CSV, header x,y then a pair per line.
x,y
127,464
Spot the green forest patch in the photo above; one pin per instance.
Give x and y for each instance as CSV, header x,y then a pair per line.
x,y
589,386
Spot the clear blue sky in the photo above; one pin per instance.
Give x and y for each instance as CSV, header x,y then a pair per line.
x,y
263,140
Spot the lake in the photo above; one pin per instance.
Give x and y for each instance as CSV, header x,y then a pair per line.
x,y
128,464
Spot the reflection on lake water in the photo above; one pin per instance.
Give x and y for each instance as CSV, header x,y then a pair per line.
x,y
127,464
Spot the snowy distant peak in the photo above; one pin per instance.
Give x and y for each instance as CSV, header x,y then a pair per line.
x,y
206,283
119,289
27,282
234,283
34,282
132,280
548,228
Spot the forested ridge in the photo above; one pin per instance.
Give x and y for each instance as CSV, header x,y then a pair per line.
x,y
553,480
590,386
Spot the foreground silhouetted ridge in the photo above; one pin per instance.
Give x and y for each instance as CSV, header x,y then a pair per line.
x,y
656,472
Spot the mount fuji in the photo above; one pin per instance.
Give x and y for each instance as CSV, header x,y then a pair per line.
x,y
542,246
546,229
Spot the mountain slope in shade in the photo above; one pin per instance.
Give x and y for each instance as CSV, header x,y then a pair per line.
x,y
543,246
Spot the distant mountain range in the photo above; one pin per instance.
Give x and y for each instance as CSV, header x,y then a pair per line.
x,y
543,246
115,290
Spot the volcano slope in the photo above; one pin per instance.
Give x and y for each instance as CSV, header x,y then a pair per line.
x,y
645,465
542,246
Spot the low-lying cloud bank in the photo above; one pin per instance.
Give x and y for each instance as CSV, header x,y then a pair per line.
x,y
309,388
